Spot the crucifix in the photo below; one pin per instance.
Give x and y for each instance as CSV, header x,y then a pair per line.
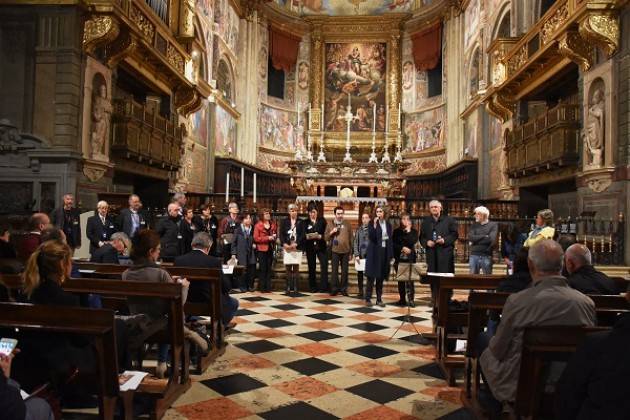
x,y
349,117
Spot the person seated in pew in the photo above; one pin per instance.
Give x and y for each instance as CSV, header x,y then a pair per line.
x,y
145,252
199,291
582,274
7,250
594,384
550,301
37,223
12,405
115,251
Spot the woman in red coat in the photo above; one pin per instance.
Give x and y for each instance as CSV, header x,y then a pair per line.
x,y
265,234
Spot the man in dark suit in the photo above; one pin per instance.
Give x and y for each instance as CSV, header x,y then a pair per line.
x,y
67,218
311,240
113,251
200,291
100,227
243,249
170,230
582,274
131,219
438,234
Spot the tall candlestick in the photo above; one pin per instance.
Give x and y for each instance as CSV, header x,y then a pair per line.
x,y
298,114
227,187
387,120
254,187
374,118
399,116
242,181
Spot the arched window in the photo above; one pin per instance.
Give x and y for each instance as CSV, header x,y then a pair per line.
x,y
474,74
224,80
503,29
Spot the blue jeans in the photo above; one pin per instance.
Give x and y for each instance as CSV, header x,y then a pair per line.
x,y
480,263
163,352
229,308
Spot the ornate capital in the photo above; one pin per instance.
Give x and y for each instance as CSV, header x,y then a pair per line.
x,y
187,100
98,31
574,47
603,30
123,46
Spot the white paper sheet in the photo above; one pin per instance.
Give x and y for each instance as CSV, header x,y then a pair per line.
x,y
441,274
292,258
130,379
359,265
228,269
87,271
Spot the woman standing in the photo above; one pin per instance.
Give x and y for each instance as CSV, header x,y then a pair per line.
x,y
265,234
208,222
380,253
288,239
405,239
360,246
188,230
543,230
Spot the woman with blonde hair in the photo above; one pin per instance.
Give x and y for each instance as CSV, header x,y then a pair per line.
x,y
543,230
46,270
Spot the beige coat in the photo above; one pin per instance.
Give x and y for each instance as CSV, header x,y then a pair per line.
x,y
550,302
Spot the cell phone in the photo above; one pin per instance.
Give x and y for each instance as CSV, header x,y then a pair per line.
x,y
7,345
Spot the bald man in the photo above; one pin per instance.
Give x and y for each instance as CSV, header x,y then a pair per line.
x,y
170,229
550,301
583,276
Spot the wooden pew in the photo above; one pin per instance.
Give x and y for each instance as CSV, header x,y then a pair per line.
x,y
98,324
211,308
446,321
542,345
162,392
479,303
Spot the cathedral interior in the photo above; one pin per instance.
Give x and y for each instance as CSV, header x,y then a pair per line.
x,y
516,105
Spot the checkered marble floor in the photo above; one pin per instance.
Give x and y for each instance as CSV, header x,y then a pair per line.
x,y
317,357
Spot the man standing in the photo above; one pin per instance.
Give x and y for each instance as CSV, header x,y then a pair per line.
x,y
438,234
311,240
99,227
170,231
227,227
582,274
549,302
339,233
243,249
67,218
199,291
180,198
482,236
37,223
131,220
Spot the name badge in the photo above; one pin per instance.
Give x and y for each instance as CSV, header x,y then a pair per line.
x,y
310,227
111,226
179,236
104,235
143,222
213,227
76,222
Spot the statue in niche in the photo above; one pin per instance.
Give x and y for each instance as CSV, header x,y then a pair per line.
x,y
101,114
594,130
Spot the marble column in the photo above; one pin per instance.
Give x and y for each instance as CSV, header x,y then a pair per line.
x,y
453,35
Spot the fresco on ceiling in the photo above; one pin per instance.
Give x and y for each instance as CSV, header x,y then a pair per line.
x,y
424,130
471,22
278,129
227,23
199,125
224,132
348,7
356,71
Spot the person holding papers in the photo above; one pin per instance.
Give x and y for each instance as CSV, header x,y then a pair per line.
x,y
380,254
360,246
339,233
405,238
292,257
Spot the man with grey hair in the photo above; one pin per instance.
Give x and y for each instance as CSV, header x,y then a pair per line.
x,y
68,219
227,228
438,234
170,230
482,237
116,251
131,220
549,302
199,292
100,227
583,276
180,198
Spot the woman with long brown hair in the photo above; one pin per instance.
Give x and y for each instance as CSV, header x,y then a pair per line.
x,y
265,234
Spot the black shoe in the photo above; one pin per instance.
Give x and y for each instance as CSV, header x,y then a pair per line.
x,y
360,295
345,293
368,303
412,304
335,293
400,303
380,303
314,290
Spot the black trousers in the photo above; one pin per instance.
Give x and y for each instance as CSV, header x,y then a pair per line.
x,y
246,280
370,286
336,260
406,291
311,258
265,260
360,281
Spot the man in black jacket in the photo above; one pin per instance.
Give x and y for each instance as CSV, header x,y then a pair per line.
x,y
170,231
112,252
482,237
200,291
594,384
582,274
67,218
131,220
311,240
100,227
438,234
